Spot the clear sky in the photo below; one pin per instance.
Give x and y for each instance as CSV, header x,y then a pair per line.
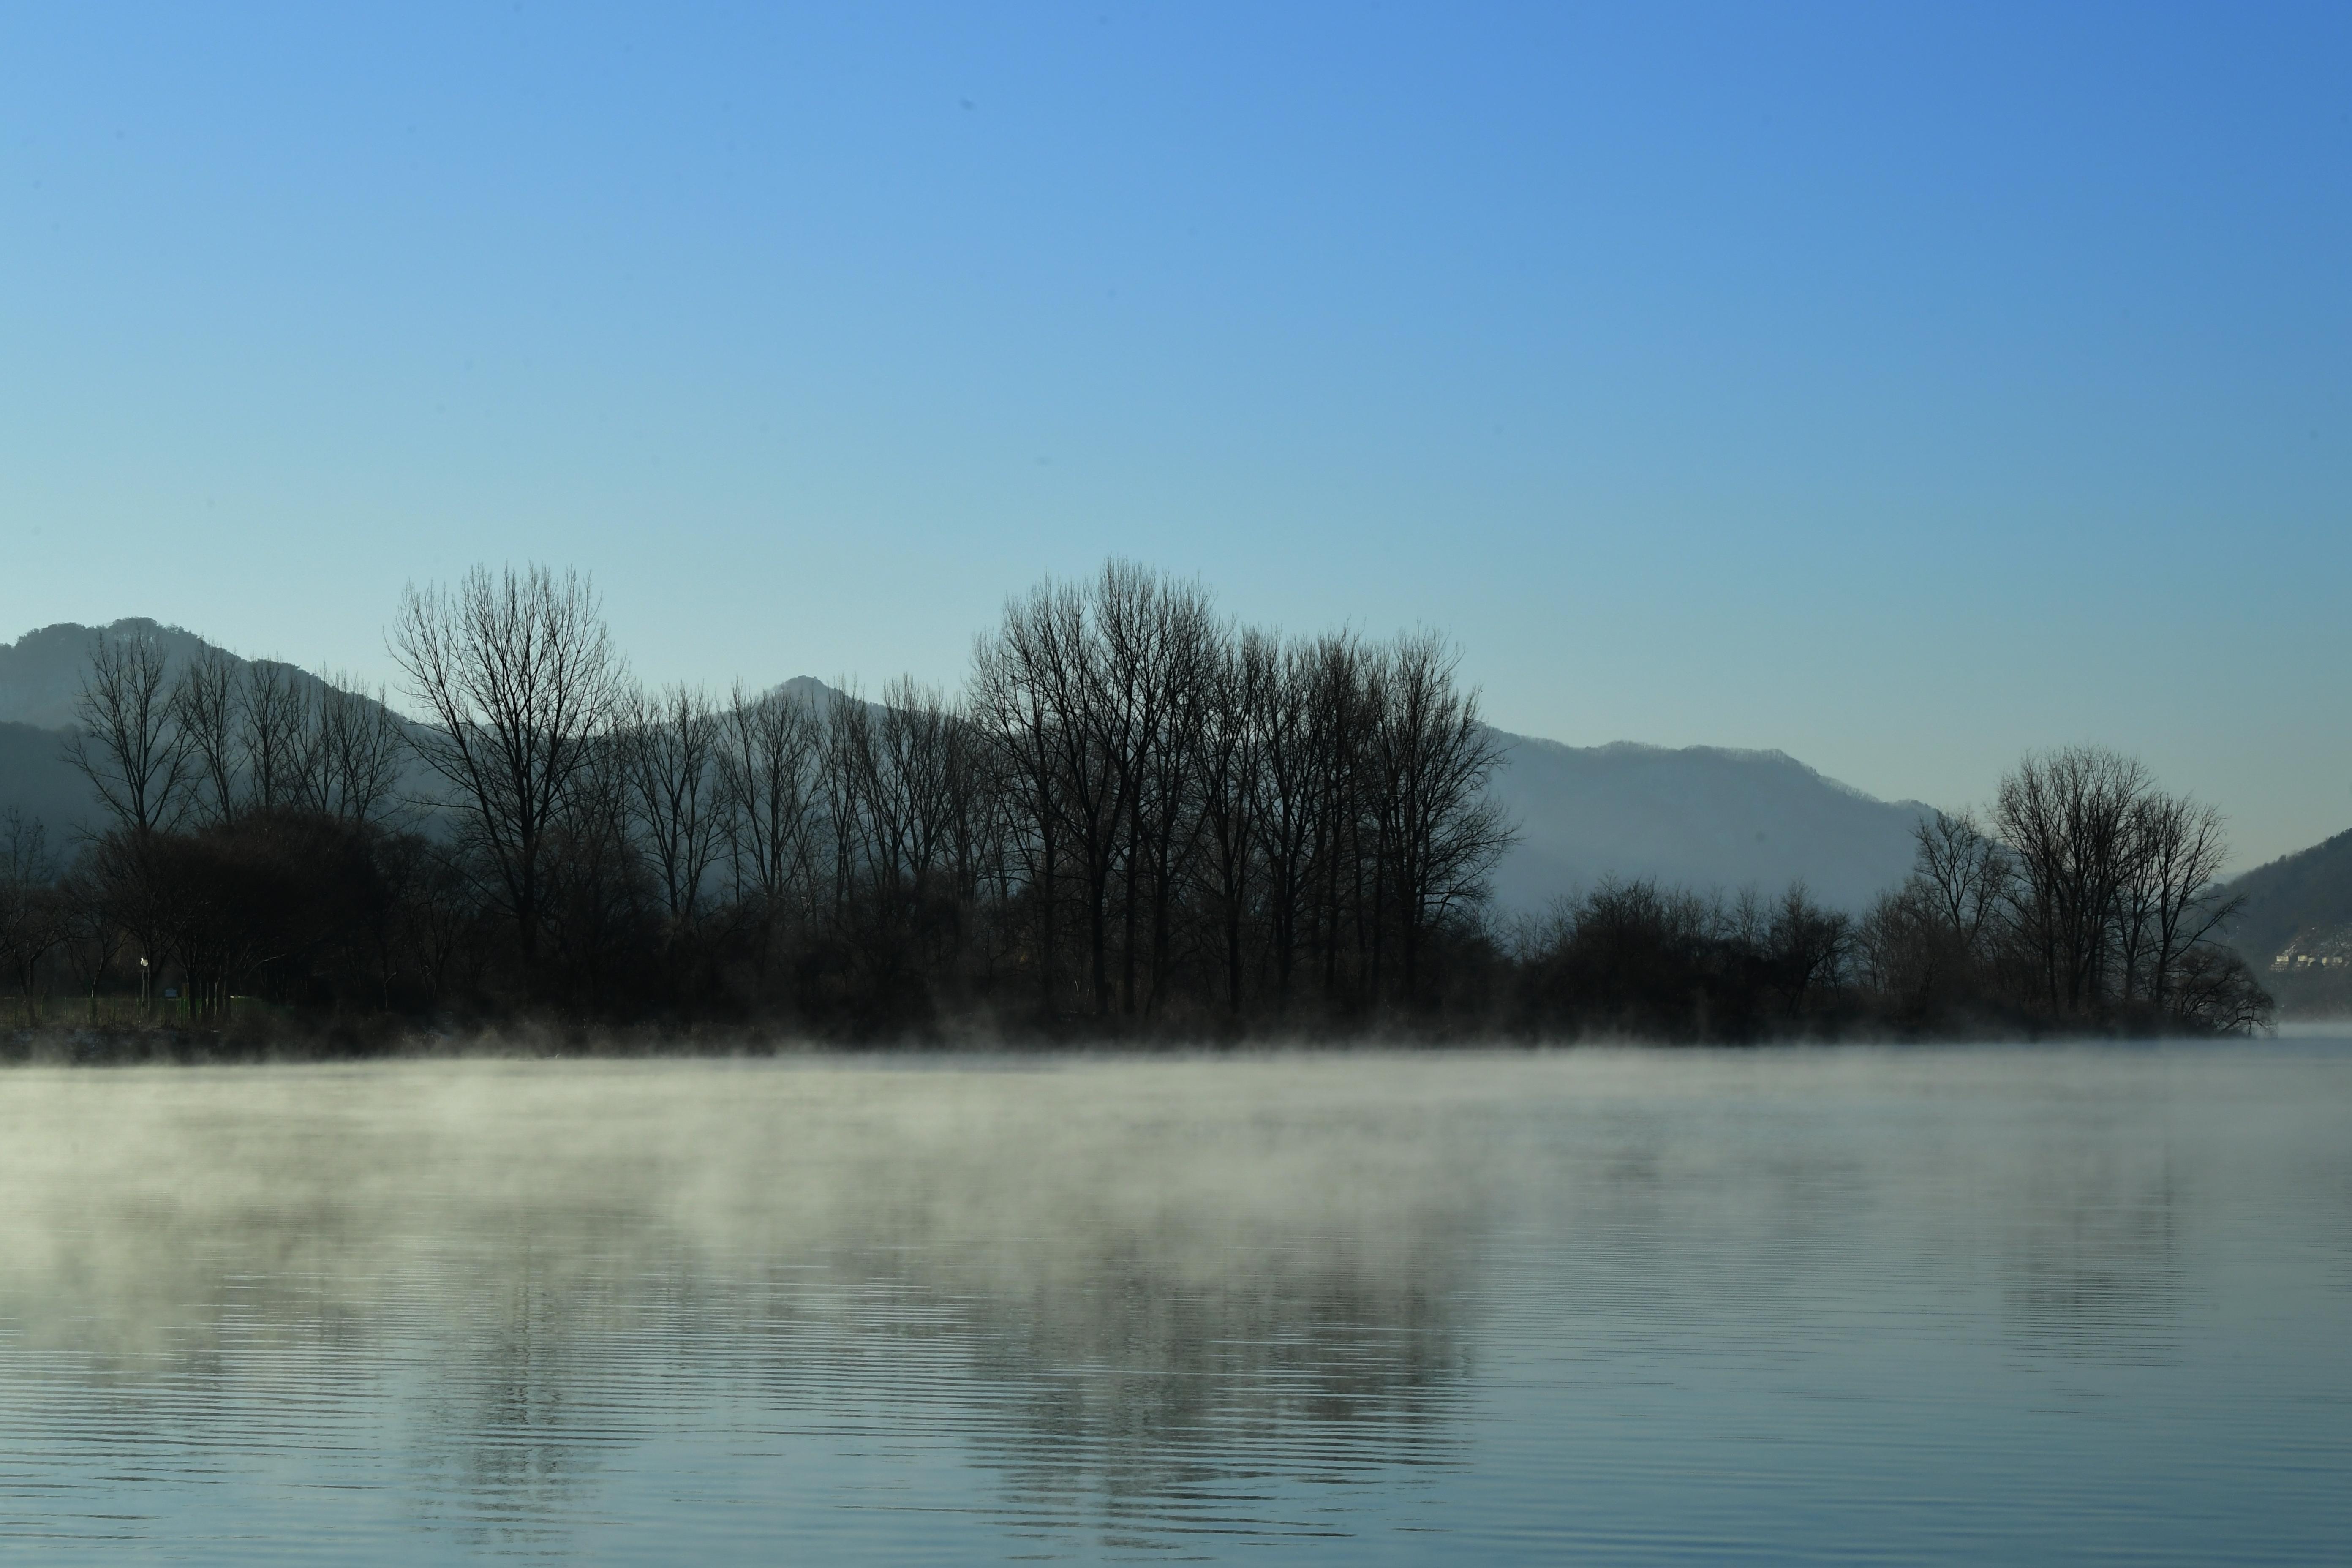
x,y
1902,386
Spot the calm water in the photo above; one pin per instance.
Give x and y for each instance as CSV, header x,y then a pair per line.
x,y
1922,1306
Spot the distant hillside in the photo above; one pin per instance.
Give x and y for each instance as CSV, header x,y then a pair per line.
x,y
41,673
2309,887
37,781
1701,817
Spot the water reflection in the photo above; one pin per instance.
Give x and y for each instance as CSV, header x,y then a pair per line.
x,y
1146,1402
525,1275
2093,1265
1942,1306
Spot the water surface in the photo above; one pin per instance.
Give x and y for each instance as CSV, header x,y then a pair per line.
x,y
1940,1306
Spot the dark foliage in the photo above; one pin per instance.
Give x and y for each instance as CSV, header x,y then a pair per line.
x,y
1139,822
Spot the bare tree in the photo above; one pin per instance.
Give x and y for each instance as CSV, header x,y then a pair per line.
x,y
436,921
1064,727
911,783
205,702
847,765
1158,641
1810,945
348,763
1440,831
1116,714
32,923
1239,683
1022,694
976,847
1903,943
91,933
126,739
24,851
2181,854
1964,874
2067,816
280,747
1342,706
600,902
670,760
767,755
2211,987
1291,804
518,674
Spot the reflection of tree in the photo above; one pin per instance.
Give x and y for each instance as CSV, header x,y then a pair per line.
x,y
1126,1324
2092,1265
506,1433
1162,1397
1128,1387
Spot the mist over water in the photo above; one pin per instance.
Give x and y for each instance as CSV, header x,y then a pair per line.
x,y
1941,1305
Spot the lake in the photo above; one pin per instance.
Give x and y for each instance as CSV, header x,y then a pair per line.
x,y
1948,1305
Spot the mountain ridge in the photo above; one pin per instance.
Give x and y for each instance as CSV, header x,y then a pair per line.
x,y
1709,817
2312,887
1713,818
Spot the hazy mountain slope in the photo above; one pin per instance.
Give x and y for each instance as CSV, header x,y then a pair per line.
x,y
42,671
40,675
808,689
1701,817
1704,817
2309,887
36,780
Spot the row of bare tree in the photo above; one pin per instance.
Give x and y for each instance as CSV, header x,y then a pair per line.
x,y
1631,959
1216,801
249,804
2086,893
2088,900
1137,816
225,738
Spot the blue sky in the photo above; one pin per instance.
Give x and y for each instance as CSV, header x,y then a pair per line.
x,y
1902,386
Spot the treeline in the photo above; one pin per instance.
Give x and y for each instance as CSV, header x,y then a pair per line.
x,y
1137,819
2088,894
1139,815
2086,901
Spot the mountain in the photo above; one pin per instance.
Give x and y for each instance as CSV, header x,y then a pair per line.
x,y
37,782
41,672
2309,887
1700,817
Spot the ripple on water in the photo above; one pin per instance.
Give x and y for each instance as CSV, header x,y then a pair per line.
x,y
1926,1306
